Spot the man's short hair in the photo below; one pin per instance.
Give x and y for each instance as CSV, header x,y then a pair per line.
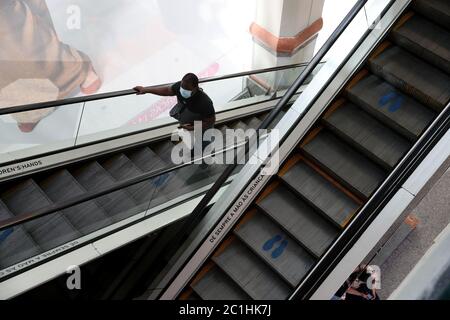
x,y
191,79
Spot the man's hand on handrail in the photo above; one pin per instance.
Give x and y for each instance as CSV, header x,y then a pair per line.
x,y
160,91
139,90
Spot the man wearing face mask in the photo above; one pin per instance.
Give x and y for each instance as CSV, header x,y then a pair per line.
x,y
193,104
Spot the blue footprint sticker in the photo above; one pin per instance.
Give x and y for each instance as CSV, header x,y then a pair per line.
x,y
271,242
279,251
159,181
5,234
394,99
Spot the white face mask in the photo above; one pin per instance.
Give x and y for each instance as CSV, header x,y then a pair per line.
x,y
185,93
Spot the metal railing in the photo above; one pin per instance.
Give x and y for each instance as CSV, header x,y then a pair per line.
x,y
121,93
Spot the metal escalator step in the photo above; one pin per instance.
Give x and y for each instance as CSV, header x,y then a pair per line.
x,y
121,168
180,181
146,159
16,244
367,134
163,150
251,274
93,178
409,118
253,122
285,256
300,220
262,116
426,40
321,193
354,170
186,179
48,232
413,76
216,285
86,217
436,10
238,125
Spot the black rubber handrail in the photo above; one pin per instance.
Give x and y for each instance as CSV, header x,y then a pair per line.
x,y
114,94
199,210
51,209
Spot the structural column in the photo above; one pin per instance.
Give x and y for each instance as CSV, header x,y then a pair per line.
x,y
284,32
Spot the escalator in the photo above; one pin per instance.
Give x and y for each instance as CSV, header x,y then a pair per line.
x,y
345,157
32,193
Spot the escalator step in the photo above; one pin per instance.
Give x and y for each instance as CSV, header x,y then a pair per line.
x,y
86,217
253,122
121,168
48,232
300,220
216,285
93,178
409,118
436,10
250,273
262,116
350,167
164,152
321,193
413,76
146,160
366,134
238,125
168,185
426,40
278,249
15,243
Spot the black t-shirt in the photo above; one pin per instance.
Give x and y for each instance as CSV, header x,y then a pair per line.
x,y
198,107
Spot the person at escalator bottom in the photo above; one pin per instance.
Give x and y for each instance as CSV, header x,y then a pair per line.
x,y
357,288
193,105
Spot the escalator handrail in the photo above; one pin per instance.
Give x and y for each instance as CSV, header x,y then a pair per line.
x,y
114,94
199,210
51,209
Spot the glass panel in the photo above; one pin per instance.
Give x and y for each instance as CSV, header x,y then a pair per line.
x,y
39,131
107,118
34,132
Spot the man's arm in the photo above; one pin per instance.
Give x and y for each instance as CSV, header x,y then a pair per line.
x,y
160,91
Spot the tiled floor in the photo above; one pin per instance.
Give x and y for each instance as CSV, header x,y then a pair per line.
x,y
433,212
